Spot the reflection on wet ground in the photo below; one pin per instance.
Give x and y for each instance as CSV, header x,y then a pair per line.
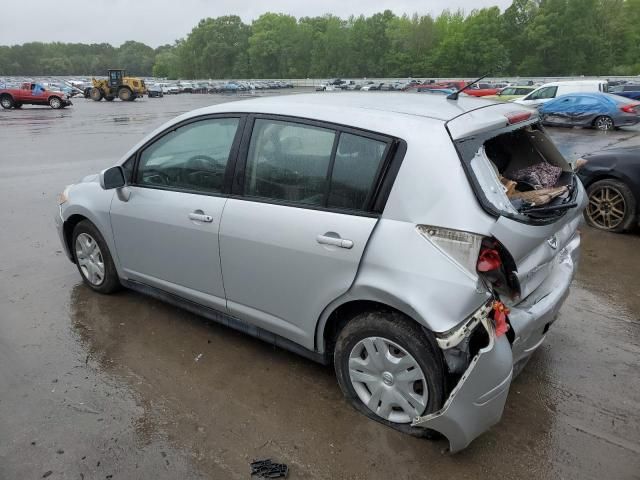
x,y
127,386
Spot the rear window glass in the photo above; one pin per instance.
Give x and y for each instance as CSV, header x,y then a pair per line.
x,y
357,162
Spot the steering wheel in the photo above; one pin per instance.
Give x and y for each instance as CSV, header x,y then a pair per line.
x,y
199,161
151,177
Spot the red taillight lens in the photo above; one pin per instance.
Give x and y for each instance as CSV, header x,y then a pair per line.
x,y
488,260
517,117
630,108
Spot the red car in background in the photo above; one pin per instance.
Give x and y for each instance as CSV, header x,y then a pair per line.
x,y
449,85
32,94
482,90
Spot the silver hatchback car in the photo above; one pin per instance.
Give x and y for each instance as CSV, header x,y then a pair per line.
x,y
373,232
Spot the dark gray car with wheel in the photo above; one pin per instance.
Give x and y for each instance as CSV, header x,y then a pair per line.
x,y
612,180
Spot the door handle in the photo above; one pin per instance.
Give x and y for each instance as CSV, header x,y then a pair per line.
x,y
200,217
336,242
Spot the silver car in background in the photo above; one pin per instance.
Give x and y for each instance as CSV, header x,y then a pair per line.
x,y
371,232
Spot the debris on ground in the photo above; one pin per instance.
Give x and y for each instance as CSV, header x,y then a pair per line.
x,y
267,469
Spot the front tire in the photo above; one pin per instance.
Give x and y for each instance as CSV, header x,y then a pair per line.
x,y
604,122
55,103
389,370
93,259
612,206
95,94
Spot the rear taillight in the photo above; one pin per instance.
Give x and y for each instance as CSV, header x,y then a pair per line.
x,y
517,117
630,108
496,267
461,247
488,260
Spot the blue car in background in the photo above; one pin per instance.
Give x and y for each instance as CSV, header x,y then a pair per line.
x,y
603,111
628,90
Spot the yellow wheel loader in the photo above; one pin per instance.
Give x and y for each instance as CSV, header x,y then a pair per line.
x,y
118,85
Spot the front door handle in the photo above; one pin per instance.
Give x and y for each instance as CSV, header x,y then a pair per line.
x,y
199,216
334,241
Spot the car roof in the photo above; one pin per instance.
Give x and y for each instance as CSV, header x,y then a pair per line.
x,y
610,96
339,106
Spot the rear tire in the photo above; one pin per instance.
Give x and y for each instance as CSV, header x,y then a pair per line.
x,y
7,102
604,123
419,381
612,206
93,259
125,95
17,105
95,94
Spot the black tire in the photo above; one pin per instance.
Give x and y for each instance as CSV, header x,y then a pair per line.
x,y
612,206
95,94
17,105
6,101
125,94
603,122
55,103
408,335
109,98
110,282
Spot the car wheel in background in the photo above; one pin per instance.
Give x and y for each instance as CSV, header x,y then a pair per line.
x,y
109,98
93,258
389,370
55,103
17,105
603,123
7,102
611,207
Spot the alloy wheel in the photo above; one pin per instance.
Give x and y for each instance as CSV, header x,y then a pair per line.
x,y
604,123
90,260
607,207
388,379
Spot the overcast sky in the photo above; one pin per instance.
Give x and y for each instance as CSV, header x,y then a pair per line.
x,y
156,22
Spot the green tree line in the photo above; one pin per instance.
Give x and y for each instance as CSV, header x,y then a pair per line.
x,y
530,38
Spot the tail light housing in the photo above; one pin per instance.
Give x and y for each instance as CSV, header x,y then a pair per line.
x,y
630,108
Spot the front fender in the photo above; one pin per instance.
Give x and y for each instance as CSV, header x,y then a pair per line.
x,y
92,202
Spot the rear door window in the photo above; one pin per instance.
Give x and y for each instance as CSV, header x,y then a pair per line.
x,y
311,165
543,93
288,162
358,160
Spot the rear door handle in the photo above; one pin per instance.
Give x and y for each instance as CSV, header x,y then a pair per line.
x,y
200,217
336,242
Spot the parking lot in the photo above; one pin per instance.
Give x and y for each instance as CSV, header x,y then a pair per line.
x,y
127,387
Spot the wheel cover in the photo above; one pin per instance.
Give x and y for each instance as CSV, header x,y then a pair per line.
x,y
604,123
6,102
388,380
606,208
90,259
55,102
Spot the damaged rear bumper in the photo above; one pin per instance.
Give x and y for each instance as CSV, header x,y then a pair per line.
x,y
477,401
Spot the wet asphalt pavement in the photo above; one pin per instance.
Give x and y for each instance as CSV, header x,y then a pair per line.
x,y
126,387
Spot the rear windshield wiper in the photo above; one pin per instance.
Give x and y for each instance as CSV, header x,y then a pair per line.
x,y
551,208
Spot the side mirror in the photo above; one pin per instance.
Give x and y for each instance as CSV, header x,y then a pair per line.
x,y
112,178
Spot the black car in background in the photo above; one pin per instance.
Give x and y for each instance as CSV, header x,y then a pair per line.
x,y
612,180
